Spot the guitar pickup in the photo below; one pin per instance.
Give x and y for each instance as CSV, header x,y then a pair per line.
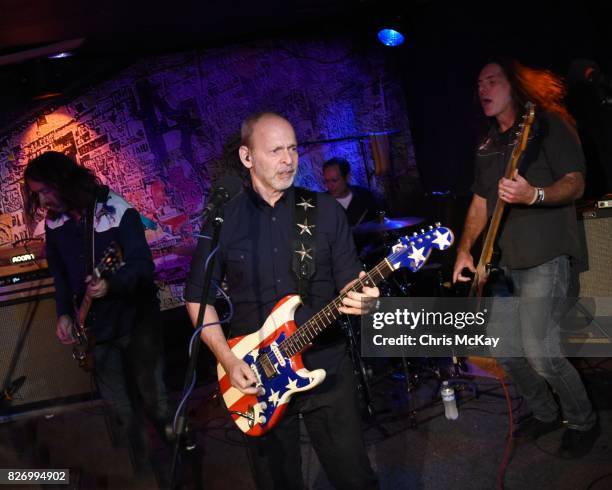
x,y
268,367
277,353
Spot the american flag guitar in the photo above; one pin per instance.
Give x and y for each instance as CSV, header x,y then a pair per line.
x,y
274,351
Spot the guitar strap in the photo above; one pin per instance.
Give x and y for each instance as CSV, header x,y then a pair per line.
x,y
304,242
89,237
100,196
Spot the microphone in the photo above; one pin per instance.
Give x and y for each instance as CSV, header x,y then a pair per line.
x,y
227,187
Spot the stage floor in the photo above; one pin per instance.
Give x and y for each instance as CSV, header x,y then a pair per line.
x,y
410,442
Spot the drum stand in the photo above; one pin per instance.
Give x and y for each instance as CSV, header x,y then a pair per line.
x,y
360,370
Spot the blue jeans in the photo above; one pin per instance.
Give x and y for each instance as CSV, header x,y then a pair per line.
x,y
539,361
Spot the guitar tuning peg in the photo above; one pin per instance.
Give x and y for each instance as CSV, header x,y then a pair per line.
x,y
430,227
422,230
414,234
437,224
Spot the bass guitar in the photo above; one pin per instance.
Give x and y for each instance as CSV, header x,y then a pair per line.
x,y
484,264
111,261
274,351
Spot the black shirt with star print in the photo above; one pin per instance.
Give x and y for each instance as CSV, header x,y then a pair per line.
x,y
256,252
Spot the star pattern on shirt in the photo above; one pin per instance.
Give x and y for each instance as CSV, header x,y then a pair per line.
x,y
305,227
305,203
304,253
442,240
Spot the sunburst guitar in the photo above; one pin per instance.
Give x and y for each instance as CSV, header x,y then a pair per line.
x,y
274,352
111,262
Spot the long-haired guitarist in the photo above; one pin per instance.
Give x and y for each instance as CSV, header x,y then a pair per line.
x,y
538,240
122,328
256,256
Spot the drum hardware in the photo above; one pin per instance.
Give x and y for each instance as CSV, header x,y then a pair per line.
x,y
377,237
383,224
362,372
359,367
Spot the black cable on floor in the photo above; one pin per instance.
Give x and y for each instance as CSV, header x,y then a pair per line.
x,y
597,480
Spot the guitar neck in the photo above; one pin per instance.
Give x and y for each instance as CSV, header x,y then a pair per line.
x,y
489,242
86,303
84,309
306,333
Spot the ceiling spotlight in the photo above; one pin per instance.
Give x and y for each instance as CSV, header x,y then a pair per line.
x,y
55,50
390,37
59,56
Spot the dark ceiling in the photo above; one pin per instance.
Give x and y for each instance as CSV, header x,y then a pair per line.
x,y
112,33
447,42
115,32
112,26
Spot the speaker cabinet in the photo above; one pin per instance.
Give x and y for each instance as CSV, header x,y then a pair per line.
x,y
29,348
596,229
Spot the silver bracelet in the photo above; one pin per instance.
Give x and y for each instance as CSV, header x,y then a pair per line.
x,y
540,198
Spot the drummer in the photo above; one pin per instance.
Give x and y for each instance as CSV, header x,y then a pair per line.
x,y
359,203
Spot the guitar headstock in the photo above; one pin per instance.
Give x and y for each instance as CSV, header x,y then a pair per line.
x,y
522,136
111,261
412,251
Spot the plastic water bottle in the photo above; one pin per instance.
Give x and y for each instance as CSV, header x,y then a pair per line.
x,y
450,404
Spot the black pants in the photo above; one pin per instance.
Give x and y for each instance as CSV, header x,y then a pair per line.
x,y
331,415
129,376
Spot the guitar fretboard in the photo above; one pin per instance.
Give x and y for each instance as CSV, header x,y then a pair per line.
x,y
305,334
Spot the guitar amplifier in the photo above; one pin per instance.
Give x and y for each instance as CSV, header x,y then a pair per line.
x,y
595,226
35,368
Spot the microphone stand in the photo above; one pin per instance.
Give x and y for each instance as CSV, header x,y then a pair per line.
x,y
181,421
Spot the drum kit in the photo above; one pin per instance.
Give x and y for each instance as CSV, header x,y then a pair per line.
x,y
374,240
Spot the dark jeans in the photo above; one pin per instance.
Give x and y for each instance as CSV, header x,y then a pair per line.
x,y
330,413
539,361
129,375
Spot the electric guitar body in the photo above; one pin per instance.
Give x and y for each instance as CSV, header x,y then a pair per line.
x,y
274,351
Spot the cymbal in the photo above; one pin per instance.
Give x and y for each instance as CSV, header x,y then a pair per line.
x,y
387,224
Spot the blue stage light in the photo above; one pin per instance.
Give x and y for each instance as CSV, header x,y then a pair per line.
x,y
59,56
390,37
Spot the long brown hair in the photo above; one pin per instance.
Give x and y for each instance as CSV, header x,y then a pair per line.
x,y
76,185
542,87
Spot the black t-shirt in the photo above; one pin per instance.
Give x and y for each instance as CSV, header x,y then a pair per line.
x,y
533,235
255,257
